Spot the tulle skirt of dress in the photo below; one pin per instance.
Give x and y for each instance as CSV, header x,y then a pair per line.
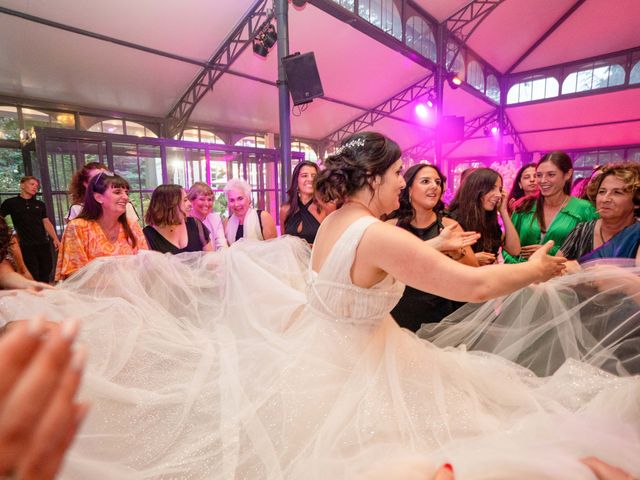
x,y
213,367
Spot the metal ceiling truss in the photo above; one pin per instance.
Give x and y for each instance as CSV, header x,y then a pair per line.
x,y
239,39
510,130
464,22
420,89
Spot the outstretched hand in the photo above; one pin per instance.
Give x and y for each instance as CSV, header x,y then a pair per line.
x,y
453,238
39,415
604,471
549,266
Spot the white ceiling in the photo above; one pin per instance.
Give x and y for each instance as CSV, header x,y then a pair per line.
x,y
43,63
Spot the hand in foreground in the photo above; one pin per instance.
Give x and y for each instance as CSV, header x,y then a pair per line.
x,y
528,250
549,266
445,472
485,258
604,471
453,238
38,412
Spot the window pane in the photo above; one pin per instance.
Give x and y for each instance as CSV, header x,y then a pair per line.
x,y
513,95
552,88
348,4
616,75
11,170
419,36
569,84
9,128
538,89
635,73
190,135
383,14
475,76
585,80
493,88
210,137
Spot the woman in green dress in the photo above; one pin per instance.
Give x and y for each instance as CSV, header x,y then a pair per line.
x,y
551,214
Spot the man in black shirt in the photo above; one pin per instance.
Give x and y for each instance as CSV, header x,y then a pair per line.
x,y
29,217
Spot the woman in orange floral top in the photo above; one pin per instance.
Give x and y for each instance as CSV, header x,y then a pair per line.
x,y
102,228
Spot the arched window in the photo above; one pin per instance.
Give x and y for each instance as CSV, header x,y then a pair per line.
x,y
493,88
419,36
593,77
383,14
635,73
9,127
209,137
37,118
252,141
475,75
309,152
533,89
122,127
201,135
458,62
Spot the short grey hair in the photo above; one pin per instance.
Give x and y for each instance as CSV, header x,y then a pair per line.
x,y
238,184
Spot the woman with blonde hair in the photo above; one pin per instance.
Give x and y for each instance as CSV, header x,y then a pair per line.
x,y
201,197
246,221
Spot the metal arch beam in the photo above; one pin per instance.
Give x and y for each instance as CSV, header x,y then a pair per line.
x,y
418,90
239,39
545,35
470,16
511,130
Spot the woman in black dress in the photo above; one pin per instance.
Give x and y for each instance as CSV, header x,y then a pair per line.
x,y
420,213
169,228
302,214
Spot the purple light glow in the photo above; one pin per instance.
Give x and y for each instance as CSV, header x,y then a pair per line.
x,y
422,111
495,130
429,104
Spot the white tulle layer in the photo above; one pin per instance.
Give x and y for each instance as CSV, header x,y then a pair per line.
x,y
213,367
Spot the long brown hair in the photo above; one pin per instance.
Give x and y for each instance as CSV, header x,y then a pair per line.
x,y
292,193
406,213
561,160
92,210
467,209
164,207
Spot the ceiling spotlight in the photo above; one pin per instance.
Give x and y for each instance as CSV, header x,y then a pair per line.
x,y
453,80
265,39
421,111
495,130
430,103
270,36
259,48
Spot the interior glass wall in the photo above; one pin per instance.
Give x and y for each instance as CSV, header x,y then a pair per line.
x,y
149,162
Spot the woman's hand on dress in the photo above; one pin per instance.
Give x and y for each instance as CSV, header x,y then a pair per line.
x,y
445,472
528,250
453,238
549,266
485,258
604,471
38,412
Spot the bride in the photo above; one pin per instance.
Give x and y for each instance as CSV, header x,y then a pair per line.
x,y
247,364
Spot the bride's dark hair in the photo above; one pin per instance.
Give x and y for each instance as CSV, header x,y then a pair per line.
x,y
361,157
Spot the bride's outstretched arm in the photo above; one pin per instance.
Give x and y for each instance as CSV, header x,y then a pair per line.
x,y
412,262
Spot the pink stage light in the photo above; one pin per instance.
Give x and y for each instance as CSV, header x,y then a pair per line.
x,y
429,104
495,130
422,111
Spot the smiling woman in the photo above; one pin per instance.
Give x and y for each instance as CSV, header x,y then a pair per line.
x,y
553,213
102,228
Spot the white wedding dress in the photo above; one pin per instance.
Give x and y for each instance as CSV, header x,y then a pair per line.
x,y
245,364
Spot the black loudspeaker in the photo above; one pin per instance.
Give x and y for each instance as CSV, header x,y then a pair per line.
x,y
451,129
302,77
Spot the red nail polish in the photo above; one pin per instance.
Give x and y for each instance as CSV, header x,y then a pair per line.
x,y
448,466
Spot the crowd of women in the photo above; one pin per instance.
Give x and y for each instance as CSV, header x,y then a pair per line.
x,y
536,227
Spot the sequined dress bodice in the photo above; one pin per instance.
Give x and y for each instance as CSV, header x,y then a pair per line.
x,y
332,294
